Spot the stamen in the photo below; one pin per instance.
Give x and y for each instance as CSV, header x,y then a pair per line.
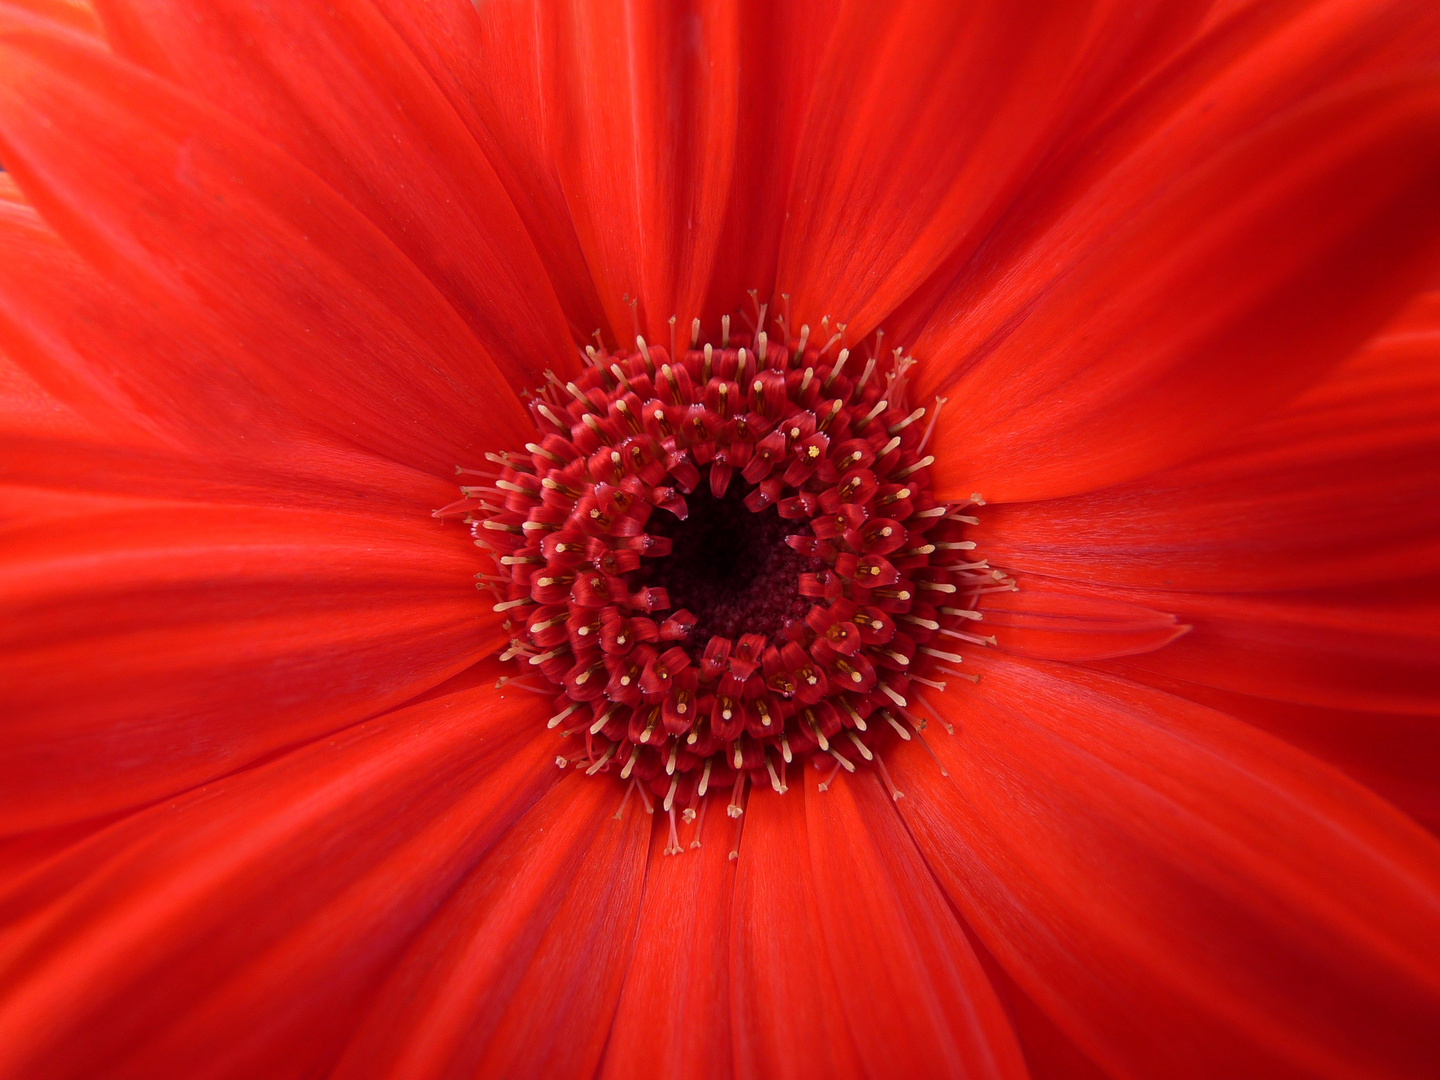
x,y
724,526
673,847
700,822
609,753
864,750
734,810
895,794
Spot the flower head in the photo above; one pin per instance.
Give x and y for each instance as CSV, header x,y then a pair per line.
x,y
1083,726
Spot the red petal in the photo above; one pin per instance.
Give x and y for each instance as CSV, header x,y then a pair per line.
x,y
916,997
1341,487
74,471
1190,89
1059,621
1185,896
781,50
643,121
72,333
1395,755
333,84
519,973
786,1020
72,14
29,411
301,309
1368,648
234,931
484,58
674,1013
1122,350
925,116
149,646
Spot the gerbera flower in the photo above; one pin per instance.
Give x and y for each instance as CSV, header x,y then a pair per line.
x,y
1146,788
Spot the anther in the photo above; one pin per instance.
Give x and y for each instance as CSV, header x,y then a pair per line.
x,y
924,463
604,760
559,717
705,779
895,429
860,746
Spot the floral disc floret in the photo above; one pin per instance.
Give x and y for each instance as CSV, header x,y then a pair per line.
x,y
720,562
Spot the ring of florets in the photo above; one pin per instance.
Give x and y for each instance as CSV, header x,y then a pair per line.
x,y
887,583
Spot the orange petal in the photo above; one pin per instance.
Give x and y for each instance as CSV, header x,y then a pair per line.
x,y
1184,895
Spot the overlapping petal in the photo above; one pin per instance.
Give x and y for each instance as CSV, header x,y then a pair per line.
x,y
1052,620
780,967
1396,755
519,974
916,997
925,115
294,263
1339,488
1182,894
150,645
674,1013
295,312
1354,647
1316,229
232,931
490,60
642,113
336,87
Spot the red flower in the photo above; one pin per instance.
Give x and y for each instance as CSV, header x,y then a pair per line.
x,y
270,271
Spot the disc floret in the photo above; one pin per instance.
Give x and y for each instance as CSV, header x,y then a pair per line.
x,y
786,503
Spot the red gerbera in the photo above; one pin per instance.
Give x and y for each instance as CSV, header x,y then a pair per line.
x,y
1084,728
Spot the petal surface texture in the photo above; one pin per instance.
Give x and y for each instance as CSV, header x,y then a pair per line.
x,y
536,936
269,903
212,634
1117,340
339,90
1182,894
674,1013
302,313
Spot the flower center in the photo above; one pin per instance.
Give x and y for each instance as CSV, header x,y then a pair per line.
x,y
730,568
718,562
